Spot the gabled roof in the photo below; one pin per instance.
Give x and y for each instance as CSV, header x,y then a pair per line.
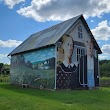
x,y
50,36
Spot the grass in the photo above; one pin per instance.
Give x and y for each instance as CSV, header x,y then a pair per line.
x,y
17,98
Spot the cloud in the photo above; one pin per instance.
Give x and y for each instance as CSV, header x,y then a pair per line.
x,y
46,10
102,31
10,43
106,52
92,21
103,57
3,56
4,59
12,3
106,49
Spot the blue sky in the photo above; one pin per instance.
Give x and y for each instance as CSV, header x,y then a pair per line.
x,y
21,18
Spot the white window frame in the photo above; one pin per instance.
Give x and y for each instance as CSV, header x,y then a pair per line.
x,y
80,32
78,56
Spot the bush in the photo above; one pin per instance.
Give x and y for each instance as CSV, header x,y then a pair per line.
x,y
105,81
4,78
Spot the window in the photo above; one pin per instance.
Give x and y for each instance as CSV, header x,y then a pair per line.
x,y
80,53
80,35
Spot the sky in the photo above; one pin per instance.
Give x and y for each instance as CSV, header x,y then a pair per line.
x,y
21,18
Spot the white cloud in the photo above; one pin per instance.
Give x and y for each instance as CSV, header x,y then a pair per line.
x,y
102,31
106,49
103,57
106,52
46,10
12,3
3,56
92,21
4,59
10,43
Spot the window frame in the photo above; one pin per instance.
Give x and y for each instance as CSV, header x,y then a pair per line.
x,y
80,32
80,54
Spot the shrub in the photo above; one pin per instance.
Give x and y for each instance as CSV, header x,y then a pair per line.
x,y
105,81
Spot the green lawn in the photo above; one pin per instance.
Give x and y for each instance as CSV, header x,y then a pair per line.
x,y
17,98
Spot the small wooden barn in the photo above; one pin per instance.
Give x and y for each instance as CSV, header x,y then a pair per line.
x,y
64,56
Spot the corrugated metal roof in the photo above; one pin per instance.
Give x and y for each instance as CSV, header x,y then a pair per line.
x,y
45,37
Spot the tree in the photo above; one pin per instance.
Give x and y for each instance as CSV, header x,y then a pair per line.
x,y
104,68
1,67
4,69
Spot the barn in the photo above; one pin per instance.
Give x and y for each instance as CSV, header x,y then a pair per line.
x,y
64,56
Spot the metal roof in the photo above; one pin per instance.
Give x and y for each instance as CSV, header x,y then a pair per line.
x,y
45,37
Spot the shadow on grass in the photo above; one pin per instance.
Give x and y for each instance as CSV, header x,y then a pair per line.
x,y
65,96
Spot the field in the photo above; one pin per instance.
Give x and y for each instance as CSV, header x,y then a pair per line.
x,y
4,78
17,98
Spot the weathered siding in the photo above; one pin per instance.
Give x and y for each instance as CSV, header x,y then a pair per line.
x,y
35,68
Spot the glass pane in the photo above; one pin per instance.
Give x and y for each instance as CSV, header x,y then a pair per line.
x,y
78,34
83,52
81,35
79,51
78,28
77,57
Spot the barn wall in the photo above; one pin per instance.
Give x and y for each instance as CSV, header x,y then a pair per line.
x,y
83,57
91,54
35,68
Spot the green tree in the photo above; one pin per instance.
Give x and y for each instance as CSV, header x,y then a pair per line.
x,y
105,68
4,69
1,67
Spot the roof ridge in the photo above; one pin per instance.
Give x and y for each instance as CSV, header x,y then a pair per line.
x,y
57,24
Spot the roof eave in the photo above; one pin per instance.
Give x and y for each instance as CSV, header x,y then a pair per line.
x,y
30,50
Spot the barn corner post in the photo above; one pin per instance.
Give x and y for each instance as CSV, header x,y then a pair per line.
x,y
55,66
98,71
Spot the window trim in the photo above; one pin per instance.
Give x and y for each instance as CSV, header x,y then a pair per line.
x,y
79,48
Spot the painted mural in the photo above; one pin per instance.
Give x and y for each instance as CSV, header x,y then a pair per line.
x,y
92,65
76,65
90,59
67,71
35,68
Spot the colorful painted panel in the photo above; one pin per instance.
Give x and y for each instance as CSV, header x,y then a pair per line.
x,y
35,68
